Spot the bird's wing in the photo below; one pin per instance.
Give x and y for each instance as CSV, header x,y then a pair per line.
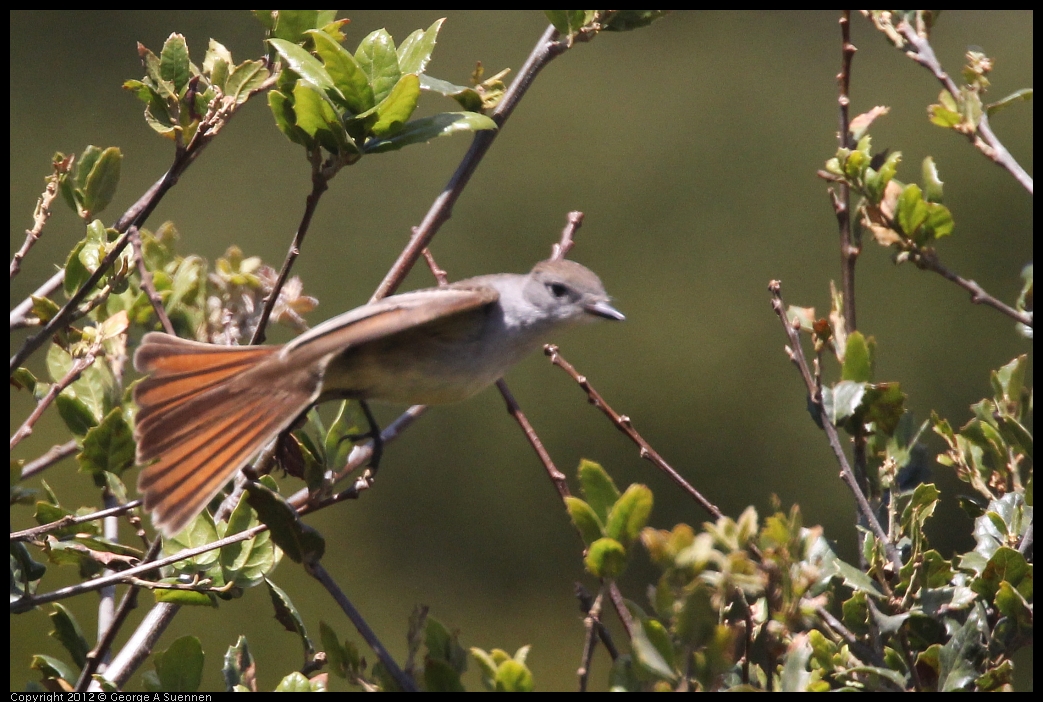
x,y
387,317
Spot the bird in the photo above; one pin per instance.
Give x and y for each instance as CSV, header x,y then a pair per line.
x,y
206,409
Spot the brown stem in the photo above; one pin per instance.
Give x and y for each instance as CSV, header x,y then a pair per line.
x,y
983,137
48,459
146,282
404,682
796,355
441,209
42,213
623,423
555,475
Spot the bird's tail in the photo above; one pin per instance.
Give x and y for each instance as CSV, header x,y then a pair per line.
x,y
204,411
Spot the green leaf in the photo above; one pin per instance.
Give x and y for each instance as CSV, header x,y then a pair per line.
x,y
76,274
598,489
513,676
584,519
294,682
468,97
180,667
939,221
53,668
439,676
102,181
285,118
75,413
444,645
317,118
345,72
68,633
246,77
304,65
629,514
336,655
415,52
627,20
377,57
858,362
652,650
842,400
292,25
911,210
606,558
568,22
395,110
298,540
425,129
109,446
186,598
245,563
239,667
1017,96
931,182
174,63
287,615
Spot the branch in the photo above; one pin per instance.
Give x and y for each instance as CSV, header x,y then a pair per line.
x,y
319,185
146,282
622,422
18,319
796,355
42,212
219,113
983,137
555,475
928,259
849,248
441,209
48,459
404,682
78,366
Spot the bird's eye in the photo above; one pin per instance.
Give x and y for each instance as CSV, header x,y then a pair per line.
x,y
557,289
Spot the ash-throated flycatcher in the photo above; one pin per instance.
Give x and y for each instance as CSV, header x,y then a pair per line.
x,y
206,409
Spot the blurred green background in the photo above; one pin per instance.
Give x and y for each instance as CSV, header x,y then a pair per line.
x,y
692,147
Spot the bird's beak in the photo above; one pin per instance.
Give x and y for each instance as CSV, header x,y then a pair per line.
x,y
601,308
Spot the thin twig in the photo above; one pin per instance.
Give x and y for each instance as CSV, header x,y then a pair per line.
x,y
48,459
404,682
126,606
555,475
590,625
441,209
927,258
78,366
71,520
219,113
139,646
18,314
849,249
574,220
796,355
983,137
319,185
438,273
146,281
623,423
42,212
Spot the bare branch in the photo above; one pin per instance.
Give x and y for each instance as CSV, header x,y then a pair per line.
x,y
42,212
546,49
623,423
796,355
315,570
983,138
